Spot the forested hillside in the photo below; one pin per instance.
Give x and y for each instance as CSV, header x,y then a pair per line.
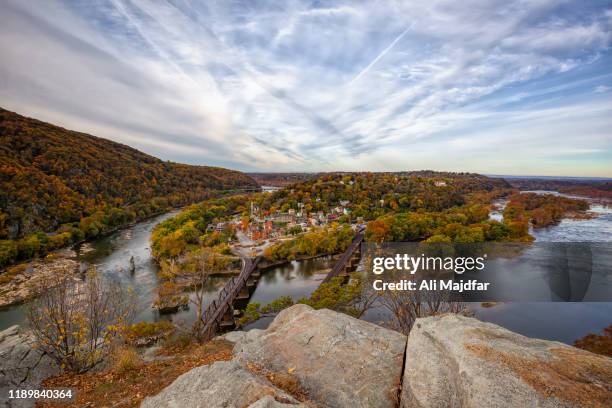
x,y
77,185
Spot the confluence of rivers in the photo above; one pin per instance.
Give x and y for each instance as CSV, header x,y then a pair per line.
x,y
559,321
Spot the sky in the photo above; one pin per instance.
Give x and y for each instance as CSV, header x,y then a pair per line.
x,y
494,87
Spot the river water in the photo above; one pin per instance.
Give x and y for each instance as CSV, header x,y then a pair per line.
x,y
555,321
111,256
561,321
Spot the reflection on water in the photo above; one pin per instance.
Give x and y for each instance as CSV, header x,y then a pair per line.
x,y
297,279
560,321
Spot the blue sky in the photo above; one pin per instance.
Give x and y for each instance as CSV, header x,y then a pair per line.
x,y
496,87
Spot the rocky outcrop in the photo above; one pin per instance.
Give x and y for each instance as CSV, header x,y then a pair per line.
x,y
222,384
21,366
325,359
455,361
338,361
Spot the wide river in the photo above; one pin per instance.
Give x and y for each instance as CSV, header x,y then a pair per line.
x,y
560,321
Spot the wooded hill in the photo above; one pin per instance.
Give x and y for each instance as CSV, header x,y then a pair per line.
x,y
78,185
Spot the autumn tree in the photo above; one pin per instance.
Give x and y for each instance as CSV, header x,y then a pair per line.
x,y
76,322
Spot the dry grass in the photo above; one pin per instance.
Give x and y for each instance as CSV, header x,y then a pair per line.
x,y
286,381
573,376
130,386
125,359
597,343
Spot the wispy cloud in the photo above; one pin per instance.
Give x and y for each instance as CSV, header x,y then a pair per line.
x,y
379,56
343,85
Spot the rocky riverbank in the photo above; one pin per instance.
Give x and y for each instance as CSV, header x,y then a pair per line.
x,y
20,282
309,358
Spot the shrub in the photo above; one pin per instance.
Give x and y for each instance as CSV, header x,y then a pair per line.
x,y
76,322
148,331
249,315
597,343
277,305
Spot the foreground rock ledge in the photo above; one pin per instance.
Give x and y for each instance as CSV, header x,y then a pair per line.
x,y
337,361
222,384
21,366
455,361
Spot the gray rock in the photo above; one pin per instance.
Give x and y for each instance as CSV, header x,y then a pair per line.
x,y
235,336
224,384
270,402
150,354
338,361
455,361
21,366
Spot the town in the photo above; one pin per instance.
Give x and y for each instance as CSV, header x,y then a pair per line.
x,y
264,227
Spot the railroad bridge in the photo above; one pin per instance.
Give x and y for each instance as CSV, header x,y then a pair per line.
x,y
221,314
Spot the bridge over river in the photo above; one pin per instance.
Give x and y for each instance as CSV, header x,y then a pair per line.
x,y
220,315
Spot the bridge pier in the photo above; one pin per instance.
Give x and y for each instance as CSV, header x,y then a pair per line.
x,y
244,294
227,321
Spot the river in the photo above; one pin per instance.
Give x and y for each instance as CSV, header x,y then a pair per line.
x,y
560,321
111,256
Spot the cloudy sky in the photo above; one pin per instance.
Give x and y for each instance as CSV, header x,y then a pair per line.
x,y
497,87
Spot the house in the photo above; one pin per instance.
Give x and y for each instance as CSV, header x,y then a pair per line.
x,y
332,217
268,227
439,183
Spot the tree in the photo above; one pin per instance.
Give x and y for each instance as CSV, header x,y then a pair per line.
x,y
378,231
207,261
407,306
76,322
353,298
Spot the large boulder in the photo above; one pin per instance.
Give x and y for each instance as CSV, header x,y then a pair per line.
x,y
455,361
224,384
21,366
337,360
